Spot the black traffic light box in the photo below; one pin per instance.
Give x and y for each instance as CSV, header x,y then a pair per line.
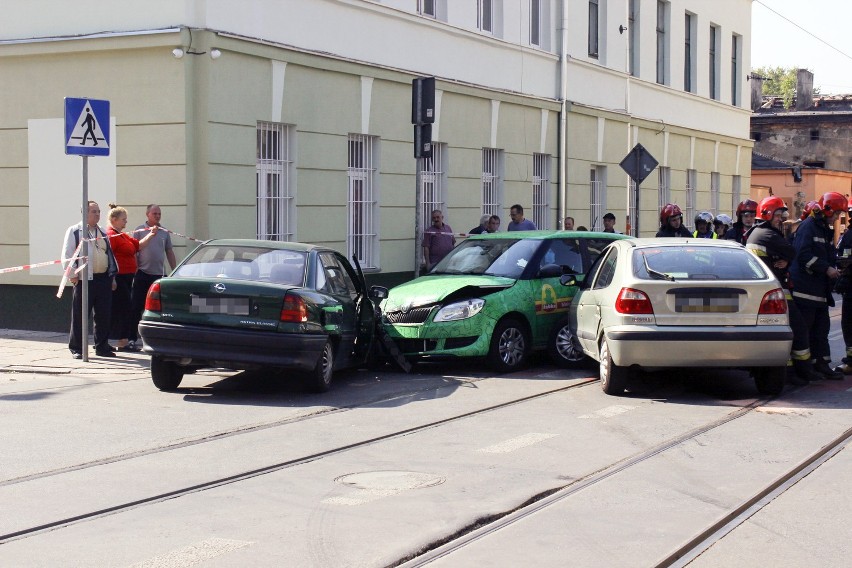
x,y
423,100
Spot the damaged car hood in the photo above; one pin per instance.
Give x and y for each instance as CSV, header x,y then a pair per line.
x,y
428,290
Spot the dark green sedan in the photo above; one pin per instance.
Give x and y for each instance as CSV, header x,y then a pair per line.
x,y
245,304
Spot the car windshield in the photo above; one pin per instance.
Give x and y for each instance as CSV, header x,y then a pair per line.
x,y
492,257
245,263
697,263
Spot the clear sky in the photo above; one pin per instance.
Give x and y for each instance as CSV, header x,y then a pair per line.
x,y
779,43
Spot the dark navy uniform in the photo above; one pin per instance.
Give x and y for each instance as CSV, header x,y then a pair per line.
x,y
770,245
738,232
667,231
812,286
844,287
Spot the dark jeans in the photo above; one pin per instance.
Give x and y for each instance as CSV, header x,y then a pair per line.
x,y
122,309
100,302
815,318
141,282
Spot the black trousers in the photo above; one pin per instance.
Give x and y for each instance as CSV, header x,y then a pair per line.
x,y
100,302
122,310
846,322
141,282
815,318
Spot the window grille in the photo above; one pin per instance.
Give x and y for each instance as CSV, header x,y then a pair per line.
x,y
485,15
535,22
714,192
540,190
689,214
593,28
362,238
633,209
596,200
736,188
665,193
492,181
275,192
426,8
433,184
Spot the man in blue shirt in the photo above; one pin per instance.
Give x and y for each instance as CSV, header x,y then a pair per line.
x,y
518,223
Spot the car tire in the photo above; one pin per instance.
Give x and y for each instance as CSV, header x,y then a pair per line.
x,y
564,349
770,380
319,379
166,375
613,377
510,346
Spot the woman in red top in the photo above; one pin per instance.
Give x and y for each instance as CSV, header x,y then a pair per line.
x,y
124,247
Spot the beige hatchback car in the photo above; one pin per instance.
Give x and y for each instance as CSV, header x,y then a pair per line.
x,y
663,303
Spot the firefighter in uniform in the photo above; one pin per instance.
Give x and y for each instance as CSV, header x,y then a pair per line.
x,y
813,274
746,212
767,242
671,222
844,288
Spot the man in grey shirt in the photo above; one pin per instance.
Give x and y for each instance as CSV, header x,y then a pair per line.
x,y
150,263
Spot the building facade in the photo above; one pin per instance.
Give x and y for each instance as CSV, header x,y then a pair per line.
x,y
290,120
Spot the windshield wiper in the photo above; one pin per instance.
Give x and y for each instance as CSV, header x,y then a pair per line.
x,y
656,273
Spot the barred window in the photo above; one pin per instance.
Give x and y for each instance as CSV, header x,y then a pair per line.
x,y
433,184
633,209
665,191
492,181
541,190
276,212
714,192
362,237
736,188
691,182
597,199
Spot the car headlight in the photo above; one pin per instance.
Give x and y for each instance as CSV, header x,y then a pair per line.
x,y
460,310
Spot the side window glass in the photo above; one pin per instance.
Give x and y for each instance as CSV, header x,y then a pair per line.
x,y
336,277
321,280
348,278
566,253
595,247
607,271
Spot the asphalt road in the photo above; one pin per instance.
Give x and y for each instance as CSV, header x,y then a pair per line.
x,y
450,466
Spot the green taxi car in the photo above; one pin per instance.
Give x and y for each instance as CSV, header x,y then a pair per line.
x,y
495,296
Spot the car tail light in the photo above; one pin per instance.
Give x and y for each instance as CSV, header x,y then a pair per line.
x,y
773,302
632,301
294,309
152,300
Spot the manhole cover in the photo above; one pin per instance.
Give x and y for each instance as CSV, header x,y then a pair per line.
x,y
390,480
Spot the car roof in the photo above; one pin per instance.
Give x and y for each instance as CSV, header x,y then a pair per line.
x,y
670,241
549,235
276,245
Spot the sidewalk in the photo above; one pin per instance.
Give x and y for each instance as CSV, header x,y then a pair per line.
x,y
45,352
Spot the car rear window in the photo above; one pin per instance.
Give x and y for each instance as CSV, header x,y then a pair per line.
x,y
245,263
697,263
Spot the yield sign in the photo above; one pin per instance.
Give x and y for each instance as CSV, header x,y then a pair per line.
x,y
638,164
86,127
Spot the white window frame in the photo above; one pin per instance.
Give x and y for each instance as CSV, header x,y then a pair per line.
x,y
662,42
691,190
597,197
689,52
433,184
541,190
633,37
485,15
715,190
428,8
664,193
492,181
536,19
276,191
715,34
735,69
362,238
594,28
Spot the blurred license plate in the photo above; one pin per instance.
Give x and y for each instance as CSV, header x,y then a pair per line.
x,y
708,303
219,305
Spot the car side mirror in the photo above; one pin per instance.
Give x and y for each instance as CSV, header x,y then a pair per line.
x,y
379,292
571,280
550,271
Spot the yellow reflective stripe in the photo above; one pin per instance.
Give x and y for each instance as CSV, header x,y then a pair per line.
x,y
811,261
809,297
803,355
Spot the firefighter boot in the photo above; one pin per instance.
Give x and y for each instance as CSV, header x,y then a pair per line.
x,y
804,373
846,367
821,367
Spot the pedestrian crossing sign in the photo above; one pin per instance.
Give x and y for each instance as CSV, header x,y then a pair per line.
x,y
86,127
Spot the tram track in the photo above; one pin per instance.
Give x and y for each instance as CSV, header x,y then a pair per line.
x,y
255,472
